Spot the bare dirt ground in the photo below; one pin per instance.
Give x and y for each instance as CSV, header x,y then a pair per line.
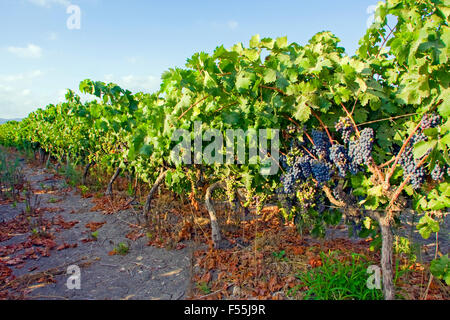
x,y
145,272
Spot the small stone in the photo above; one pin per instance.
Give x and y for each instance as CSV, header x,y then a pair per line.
x,y
139,258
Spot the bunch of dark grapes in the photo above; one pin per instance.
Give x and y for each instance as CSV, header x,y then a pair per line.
x,y
359,151
409,164
283,162
304,164
430,121
418,137
288,182
366,144
320,171
437,173
338,155
321,143
345,128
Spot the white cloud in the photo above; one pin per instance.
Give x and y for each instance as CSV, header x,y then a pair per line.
x,y
232,24
48,3
16,98
20,76
30,51
20,101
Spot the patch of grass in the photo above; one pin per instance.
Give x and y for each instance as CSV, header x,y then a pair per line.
x,y
338,280
11,177
94,235
203,286
53,200
84,190
280,255
71,174
402,246
121,249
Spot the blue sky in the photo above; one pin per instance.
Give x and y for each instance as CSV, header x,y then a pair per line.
x,y
133,42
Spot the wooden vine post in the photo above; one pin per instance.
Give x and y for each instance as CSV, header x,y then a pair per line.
x,y
109,191
215,229
155,186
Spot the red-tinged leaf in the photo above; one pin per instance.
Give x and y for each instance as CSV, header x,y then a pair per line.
x,y
315,262
273,284
14,261
180,246
134,235
66,246
206,277
112,253
94,226
30,252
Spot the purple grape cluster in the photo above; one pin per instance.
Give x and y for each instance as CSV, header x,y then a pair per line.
x,y
338,155
430,121
345,128
328,159
288,181
321,143
437,173
409,164
305,165
283,161
320,171
359,151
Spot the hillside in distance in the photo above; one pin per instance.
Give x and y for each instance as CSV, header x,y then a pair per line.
x,y
6,120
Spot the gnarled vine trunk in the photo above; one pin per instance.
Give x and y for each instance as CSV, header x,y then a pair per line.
x,y
86,172
41,156
387,259
215,230
109,190
386,245
155,186
47,163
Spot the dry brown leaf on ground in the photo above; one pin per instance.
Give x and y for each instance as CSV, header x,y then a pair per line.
x,y
94,226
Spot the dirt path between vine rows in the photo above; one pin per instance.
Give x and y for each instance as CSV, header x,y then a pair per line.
x,y
145,272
